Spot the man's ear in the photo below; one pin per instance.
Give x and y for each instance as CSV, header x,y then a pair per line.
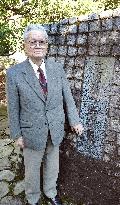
x,y
23,46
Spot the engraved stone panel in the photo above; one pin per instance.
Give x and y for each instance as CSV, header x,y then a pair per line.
x,y
95,102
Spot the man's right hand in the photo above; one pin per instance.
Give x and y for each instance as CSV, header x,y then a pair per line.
x,y
19,142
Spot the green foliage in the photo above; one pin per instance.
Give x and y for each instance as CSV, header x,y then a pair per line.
x,y
15,15
110,4
5,62
7,39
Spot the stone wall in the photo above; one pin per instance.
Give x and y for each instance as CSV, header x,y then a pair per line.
x,y
89,48
11,176
75,42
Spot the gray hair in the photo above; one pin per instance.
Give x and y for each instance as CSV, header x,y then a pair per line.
x,y
34,27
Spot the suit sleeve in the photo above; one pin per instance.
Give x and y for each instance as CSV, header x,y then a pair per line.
x,y
72,113
12,105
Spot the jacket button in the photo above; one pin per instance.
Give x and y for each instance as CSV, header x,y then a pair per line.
x,y
45,123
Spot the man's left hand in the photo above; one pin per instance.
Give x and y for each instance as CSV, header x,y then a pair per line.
x,y
78,129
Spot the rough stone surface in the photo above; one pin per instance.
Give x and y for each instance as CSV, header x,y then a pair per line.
x,y
7,175
107,37
83,27
5,142
94,26
3,189
5,151
63,29
53,29
93,16
72,20
64,21
61,60
70,61
4,163
105,50
106,158
62,51
93,38
71,40
107,24
72,51
82,39
19,187
109,148
82,51
53,50
93,50
78,85
116,23
116,50
98,74
17,150
79,61
78,73
52,39
72,29
118,139
60,40
9,200
47,27
119,154
69,72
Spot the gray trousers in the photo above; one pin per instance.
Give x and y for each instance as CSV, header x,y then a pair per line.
x,y
32,162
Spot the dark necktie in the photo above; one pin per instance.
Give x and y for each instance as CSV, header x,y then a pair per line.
x,y
42,81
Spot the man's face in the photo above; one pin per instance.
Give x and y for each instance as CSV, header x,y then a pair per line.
x,y
35,45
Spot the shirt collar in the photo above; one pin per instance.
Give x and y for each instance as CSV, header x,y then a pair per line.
x,y
35,67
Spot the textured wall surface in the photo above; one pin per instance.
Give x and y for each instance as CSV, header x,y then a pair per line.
x,y
95,104
89,49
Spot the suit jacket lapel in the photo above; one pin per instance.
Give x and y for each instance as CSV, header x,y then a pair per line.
x,y
32,80
50,78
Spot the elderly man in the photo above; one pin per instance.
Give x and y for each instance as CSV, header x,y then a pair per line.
x,y
36,89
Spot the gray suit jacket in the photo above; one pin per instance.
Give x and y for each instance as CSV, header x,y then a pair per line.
x,y
29,114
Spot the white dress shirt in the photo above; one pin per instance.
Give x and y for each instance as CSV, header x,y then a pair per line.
x,y
35,68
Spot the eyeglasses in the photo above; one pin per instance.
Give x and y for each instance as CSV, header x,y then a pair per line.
x,y
35,43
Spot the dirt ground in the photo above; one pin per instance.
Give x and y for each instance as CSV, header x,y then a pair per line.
x,y
87,181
